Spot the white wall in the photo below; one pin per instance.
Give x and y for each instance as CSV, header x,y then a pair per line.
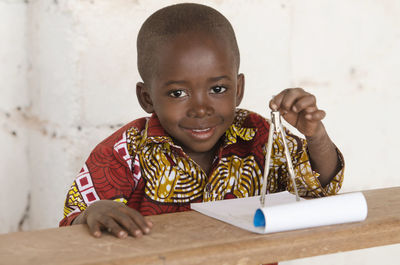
x,y
68,74
14,169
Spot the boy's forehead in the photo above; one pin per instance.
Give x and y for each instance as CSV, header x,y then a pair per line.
x,y
190,39
188,43
193,51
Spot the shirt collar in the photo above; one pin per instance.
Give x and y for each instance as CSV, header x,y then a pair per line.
x,y
154,128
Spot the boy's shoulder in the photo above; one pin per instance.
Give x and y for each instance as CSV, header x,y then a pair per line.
x,y
249,119
119,136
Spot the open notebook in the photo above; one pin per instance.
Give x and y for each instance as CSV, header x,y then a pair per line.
x,y
282,212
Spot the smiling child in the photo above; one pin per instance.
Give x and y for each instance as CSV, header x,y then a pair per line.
x,y
196,145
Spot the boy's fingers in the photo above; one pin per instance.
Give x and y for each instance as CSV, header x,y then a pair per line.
x,y
117,218
307,103
127,222
272,105
316,115
94,227
113,227
291,96
275,102
285,99
141,222
149,223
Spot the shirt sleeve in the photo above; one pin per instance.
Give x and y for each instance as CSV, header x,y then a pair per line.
x,y
106,175
307,180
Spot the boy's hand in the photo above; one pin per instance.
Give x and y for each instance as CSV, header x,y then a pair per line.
x,y
299,108
115,217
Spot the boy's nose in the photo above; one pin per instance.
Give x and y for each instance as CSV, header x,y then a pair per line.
x,y
200,107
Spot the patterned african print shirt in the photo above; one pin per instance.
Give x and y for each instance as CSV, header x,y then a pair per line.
x,y
139,165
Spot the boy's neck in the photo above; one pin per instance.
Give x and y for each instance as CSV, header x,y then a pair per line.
x,y
204,159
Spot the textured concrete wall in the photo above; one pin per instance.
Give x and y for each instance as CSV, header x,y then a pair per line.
x,y
68,74
14,168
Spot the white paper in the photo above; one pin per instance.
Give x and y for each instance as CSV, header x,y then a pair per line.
x,y
283,212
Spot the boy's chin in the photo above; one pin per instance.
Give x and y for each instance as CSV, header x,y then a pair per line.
x,y
200,148
191,146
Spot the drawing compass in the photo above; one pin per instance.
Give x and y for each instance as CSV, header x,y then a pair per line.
x,y
276,127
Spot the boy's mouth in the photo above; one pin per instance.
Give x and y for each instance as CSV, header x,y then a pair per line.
x,y
201,130
201,134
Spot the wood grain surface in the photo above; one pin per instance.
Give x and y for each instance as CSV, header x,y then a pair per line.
x,y
192,238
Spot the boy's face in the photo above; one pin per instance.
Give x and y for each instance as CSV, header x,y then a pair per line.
x,y
194,91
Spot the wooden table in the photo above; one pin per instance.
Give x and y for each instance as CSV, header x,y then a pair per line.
x,y
192,238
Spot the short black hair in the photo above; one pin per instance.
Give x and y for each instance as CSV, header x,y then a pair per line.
x,y
166,23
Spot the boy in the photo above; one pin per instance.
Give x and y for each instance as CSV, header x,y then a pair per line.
x,y
197,146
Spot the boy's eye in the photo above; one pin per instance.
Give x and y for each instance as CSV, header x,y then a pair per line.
x,y
218,90
177,93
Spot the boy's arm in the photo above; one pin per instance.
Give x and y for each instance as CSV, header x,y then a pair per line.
x,y
99,193
323,155
300,110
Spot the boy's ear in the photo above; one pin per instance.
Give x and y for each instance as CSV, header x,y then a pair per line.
x,y
239,89
144,98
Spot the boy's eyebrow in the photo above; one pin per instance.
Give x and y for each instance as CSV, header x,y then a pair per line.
x,y
217,78
177,82
183,82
